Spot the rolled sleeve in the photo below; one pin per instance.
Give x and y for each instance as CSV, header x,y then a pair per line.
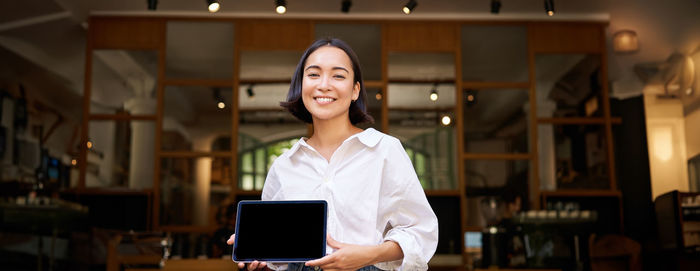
x,y
412,224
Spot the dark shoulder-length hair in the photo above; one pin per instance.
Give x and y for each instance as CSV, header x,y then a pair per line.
x,y
295,104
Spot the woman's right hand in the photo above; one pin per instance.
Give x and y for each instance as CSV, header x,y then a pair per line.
x,y
253,265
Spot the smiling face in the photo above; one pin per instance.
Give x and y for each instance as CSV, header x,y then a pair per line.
x,y
328,85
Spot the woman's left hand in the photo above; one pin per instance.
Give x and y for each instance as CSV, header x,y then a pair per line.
x,y
346,257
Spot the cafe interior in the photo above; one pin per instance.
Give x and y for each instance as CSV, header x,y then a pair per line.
x,y
547,135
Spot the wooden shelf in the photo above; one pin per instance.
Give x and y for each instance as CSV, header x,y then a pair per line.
x,y
496,156
122,117
495,85
194,154
577,121
199,82
581,193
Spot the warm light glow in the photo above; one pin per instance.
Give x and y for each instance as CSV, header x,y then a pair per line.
x,y
221,105
378,96
625,41
550,13
89,144
446,120
73,162
406,10
470,97
214,7
433,96
663,143
281,9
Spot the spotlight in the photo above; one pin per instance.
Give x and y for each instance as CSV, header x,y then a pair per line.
x,y
221,105
218,98
213,5
495,6
378,96
281,6
89,144
433,93
549,7
152,4
409,7
250,92
446,120
74,161
345,6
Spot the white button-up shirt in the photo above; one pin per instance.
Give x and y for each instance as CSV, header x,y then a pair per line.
x,y
372,191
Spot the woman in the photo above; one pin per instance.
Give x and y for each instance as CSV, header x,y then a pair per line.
x,y
378,215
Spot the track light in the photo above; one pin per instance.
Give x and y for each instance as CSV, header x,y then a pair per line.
x,y
152,4
549,7
250,92
433,93
345,6
218,98
213,5
410,6
495,6
280,6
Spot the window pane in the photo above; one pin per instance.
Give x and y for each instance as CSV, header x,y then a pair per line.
x,y
494,53
191,192
197,119
491,185
202,50
124,81
121,154
568,85
573,156
495,121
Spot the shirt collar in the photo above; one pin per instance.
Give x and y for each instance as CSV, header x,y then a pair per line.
x,y
370,137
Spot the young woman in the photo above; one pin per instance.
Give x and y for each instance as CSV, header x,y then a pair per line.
x,y
378,215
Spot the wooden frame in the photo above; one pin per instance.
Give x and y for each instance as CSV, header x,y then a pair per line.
x,y
397,36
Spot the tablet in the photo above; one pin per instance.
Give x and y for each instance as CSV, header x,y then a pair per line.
x,y
280,231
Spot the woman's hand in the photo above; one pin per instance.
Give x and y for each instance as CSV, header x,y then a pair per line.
x,y
252,266
348,257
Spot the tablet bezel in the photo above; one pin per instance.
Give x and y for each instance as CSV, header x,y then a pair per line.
x,y
285,202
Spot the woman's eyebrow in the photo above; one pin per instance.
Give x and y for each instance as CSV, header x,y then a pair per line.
x,y
334,68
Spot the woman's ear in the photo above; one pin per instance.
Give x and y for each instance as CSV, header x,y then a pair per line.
x,y
356,91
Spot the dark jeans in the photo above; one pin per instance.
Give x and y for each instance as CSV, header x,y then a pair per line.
x,y
301,267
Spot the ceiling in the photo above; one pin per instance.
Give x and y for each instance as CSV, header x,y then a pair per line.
x,y
51,35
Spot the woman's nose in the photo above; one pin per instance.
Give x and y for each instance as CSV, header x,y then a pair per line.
x,y
324,83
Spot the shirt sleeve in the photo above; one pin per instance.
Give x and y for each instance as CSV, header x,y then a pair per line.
x,y
411,222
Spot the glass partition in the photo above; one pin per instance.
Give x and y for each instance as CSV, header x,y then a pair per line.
x,y
120,154
491,186
495,120
421,114
568,85
201,50
124,82
194,117
494,53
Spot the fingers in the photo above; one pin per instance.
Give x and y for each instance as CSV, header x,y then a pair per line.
x,y
333,243
231,239
319,262
255,265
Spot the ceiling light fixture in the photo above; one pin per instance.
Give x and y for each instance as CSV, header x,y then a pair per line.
x,y
152,4
213,5
446,120
470,97
281,6
433,93
549,7
409,7
218,98
345,6
495,6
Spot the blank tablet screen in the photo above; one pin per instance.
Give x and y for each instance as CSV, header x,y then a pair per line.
x,y
280,231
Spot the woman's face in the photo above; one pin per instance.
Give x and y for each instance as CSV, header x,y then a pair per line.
x,y
327,88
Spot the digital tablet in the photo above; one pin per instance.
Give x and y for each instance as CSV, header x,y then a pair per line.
x,y
280,231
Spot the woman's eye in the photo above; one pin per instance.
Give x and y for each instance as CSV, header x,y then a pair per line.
x,y
312,75
339,76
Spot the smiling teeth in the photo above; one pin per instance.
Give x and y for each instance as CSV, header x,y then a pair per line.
x,y
325,100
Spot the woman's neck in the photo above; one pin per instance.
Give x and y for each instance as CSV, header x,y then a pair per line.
x,y
329,135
